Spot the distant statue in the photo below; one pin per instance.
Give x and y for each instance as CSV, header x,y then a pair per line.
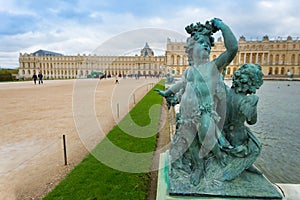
x,y
169,79
200,91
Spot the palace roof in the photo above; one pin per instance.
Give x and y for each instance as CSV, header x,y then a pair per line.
x,y
46,53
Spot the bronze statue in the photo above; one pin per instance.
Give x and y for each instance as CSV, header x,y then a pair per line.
x,y
212,151
197,92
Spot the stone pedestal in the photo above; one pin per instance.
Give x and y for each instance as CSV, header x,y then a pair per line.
x,y
246,186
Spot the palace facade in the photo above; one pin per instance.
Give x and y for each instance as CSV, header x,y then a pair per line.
x,y
58,66
277,58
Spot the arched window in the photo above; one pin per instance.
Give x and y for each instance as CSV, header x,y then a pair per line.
x,y
178,60
293,59
253,57
293,70
228,70
276,71
283,59
259,58
271,59
248,57
173,59
270,71
277,59
282,71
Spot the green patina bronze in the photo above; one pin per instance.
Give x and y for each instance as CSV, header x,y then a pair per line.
x,y
212,147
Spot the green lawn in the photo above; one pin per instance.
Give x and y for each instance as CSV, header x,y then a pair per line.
x,y
128,158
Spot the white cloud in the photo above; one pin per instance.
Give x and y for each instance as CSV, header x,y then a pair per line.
x,y
13,8
88,24
266,4
157,21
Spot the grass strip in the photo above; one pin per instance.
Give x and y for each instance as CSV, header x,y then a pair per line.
x,y
125,155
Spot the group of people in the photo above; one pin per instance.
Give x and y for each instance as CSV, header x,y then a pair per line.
x,y
39,76
210,133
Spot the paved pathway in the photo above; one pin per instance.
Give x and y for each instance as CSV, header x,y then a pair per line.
x,y
34,118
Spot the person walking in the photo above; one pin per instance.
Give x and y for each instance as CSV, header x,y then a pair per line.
x,y
117,80
40,75
34,77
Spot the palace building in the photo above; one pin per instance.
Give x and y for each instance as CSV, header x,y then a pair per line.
x,y
58,66
277,58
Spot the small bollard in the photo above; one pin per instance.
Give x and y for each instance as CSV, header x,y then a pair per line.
x,y
65,150
134,98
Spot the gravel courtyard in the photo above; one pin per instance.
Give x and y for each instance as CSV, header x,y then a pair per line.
x,y
35,117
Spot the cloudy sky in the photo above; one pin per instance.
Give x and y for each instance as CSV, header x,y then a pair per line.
x,y
81,26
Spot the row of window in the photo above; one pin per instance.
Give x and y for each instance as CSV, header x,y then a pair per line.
x,y
95,65
96,59
245,58
271,70
75,72
143,67
266,47
59,72
243,47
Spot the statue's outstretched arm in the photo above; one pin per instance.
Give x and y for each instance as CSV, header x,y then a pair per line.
x,y
172,90
230,42
170,94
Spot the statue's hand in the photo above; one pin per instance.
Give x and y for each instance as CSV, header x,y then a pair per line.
x,y
160,92
217,24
